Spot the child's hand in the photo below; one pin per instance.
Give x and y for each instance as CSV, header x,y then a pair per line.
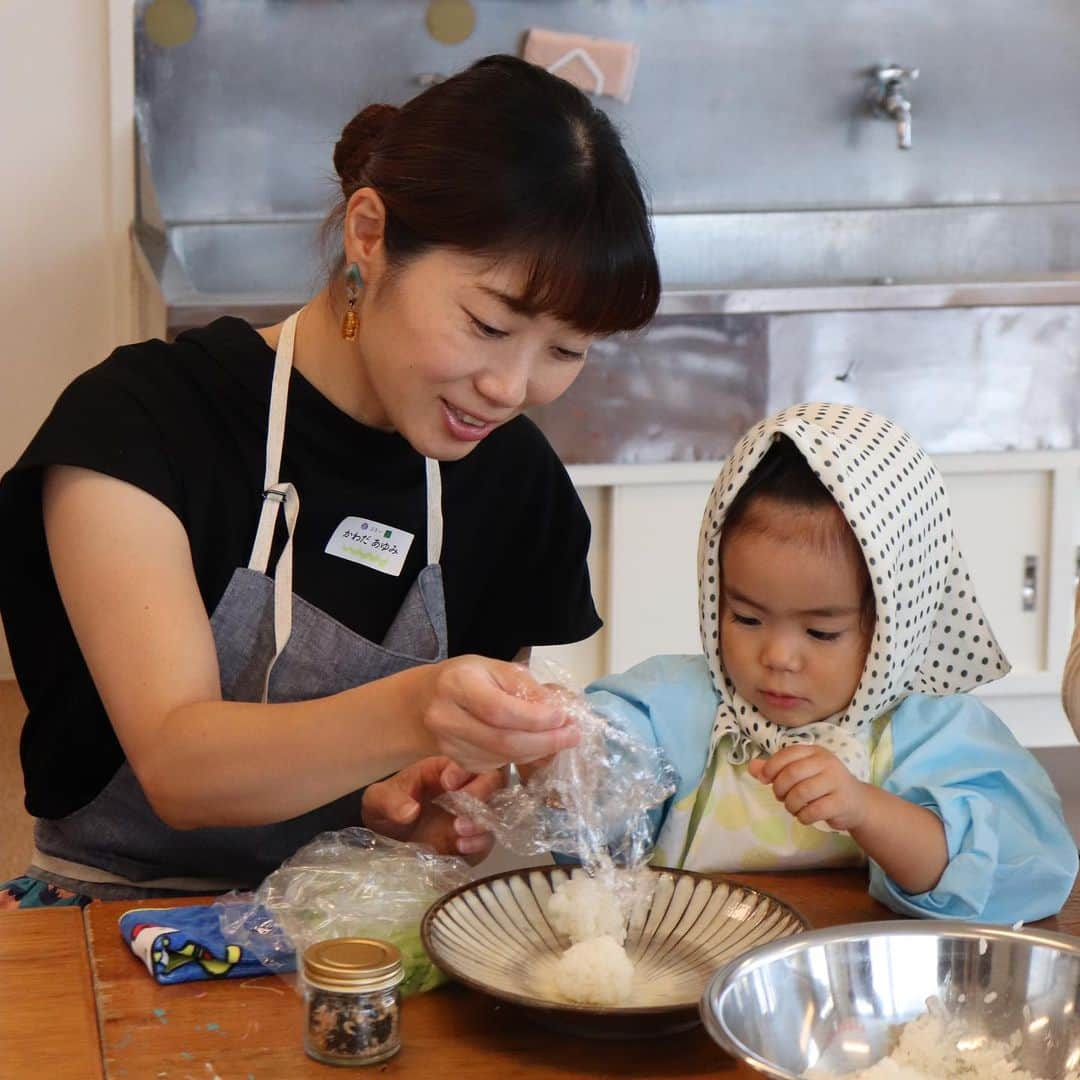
x,y
813,785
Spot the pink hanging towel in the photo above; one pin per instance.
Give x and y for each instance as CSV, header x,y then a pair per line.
x,y
595,65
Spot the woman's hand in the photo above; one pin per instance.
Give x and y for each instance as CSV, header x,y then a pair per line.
x,y
484,714
814,785
401,807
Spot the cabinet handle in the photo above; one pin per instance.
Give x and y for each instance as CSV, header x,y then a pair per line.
x,y
1028,593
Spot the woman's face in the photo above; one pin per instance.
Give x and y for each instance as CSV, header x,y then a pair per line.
x,y
447,360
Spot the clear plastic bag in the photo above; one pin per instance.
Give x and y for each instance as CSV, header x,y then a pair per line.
x,y
591,803
351,883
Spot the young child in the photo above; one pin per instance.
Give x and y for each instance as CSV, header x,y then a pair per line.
x,y
828,721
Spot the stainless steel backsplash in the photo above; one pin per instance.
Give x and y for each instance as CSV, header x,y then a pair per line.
x,y
963,380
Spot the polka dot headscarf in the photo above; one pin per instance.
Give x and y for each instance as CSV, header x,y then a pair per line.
x,y
930,636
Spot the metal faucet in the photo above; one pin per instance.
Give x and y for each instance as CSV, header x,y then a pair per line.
x,y
885,96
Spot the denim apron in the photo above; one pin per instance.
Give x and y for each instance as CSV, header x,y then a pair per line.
x,y
272,646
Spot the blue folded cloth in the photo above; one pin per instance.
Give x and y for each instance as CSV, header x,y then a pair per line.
x,y
185,944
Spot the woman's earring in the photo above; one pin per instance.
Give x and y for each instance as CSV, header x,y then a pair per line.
x,y
353,282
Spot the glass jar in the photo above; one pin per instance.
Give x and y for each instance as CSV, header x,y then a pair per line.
x,y
352,1001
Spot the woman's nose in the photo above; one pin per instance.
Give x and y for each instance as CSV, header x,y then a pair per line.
x,y
506,382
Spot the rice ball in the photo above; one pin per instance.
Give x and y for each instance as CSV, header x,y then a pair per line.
x,y
596,972
582,908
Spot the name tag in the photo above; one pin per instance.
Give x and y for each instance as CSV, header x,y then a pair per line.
x,y
382,547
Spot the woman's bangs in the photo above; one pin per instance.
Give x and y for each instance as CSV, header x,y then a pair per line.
x,y
591,281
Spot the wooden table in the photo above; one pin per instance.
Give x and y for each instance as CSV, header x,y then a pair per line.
x,y
48,1022
251,1029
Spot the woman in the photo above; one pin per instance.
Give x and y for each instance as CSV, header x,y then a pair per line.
x,y
251,572
1070,682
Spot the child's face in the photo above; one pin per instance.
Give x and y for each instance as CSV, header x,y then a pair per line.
x,y
792,636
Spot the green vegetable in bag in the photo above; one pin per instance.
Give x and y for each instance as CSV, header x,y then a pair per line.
x,y
352,883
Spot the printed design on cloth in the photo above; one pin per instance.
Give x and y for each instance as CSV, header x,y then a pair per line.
x,y
185,944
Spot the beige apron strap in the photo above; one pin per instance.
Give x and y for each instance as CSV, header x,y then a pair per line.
x,y
283,576
276,495
275,439
434,511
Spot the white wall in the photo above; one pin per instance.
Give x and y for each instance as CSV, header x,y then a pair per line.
x,y
65,203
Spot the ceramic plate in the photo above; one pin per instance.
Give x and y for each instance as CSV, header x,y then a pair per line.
x,y
494,936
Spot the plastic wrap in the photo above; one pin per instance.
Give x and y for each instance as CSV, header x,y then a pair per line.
x,y
591,803
352,883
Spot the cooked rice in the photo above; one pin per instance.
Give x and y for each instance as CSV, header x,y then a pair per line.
x,y
933,1047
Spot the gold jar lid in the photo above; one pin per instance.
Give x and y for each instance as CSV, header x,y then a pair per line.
x,y
353,964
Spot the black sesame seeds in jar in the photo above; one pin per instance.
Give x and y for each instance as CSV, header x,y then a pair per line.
x,y
352,1001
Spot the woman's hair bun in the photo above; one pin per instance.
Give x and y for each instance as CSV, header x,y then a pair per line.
x,y
359,138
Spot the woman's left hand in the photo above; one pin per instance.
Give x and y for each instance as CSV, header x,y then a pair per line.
x,y
401,807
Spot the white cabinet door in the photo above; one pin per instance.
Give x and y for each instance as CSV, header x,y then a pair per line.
x,y
1002,519
1003,522
652,583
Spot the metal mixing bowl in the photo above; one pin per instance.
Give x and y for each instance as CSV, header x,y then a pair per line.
x,y
833,999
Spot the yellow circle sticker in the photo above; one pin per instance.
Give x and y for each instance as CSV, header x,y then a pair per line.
x,y
169,23
450,21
